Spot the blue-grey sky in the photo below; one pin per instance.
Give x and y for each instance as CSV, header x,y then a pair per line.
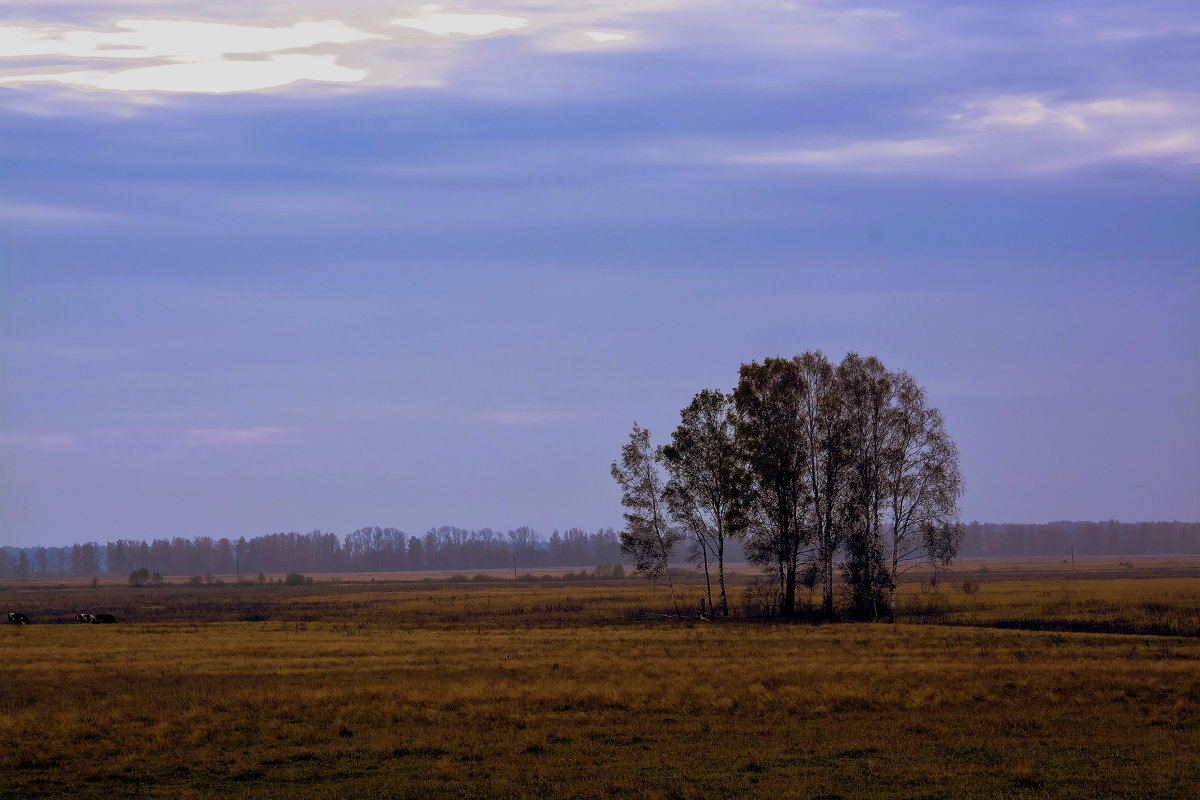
x,y
292,265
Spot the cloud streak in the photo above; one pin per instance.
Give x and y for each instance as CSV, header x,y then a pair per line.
x,y
435,21
45,442
175,40
202,57
53,214
234,436
1012,134
210,77
205,56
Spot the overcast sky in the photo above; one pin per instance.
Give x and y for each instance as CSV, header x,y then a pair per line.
x,y
292,265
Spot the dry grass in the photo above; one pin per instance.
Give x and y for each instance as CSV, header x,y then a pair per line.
x,y
519,690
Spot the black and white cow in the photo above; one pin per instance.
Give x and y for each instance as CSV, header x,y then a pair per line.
x,y
85,617
103,619
17,618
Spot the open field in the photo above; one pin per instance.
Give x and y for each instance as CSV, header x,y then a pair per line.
x,y
558,688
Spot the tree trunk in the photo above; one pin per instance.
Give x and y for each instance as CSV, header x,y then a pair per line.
x,y
782,585
789,592
707,579
789,596
895,580
895,589
721,575
827,585
671,586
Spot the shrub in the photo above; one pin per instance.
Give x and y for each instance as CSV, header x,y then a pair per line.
x,y
157,580
195,580
139,577
762,597
293,579
810,576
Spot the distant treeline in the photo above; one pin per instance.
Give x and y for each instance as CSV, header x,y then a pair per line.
x,y
1111,538
365,550
392,550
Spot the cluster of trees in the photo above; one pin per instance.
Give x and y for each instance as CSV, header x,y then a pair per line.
x,y
807,462
369,549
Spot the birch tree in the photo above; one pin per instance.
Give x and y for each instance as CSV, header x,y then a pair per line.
x,y
866,388
648,538
706,480
824,423
922,484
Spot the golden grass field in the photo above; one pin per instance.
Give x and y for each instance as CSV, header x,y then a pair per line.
x,y
1002,680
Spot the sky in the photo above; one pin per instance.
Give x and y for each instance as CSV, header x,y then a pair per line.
x,y
279,266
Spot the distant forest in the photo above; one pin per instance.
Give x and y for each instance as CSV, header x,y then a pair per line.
x,y
369,549
1111,538
446,547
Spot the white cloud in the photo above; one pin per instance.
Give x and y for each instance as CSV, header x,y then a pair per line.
x,y
1010,134
142,56
1055,136
209,76
219,436
1018,110
206,57
605,36
419,47
445,23
1181,144
175,40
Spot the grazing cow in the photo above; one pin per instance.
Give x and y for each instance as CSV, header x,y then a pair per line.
x,y
85,617
17,618
103,619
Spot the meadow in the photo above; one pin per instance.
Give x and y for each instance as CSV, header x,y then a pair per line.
x,y
1001,679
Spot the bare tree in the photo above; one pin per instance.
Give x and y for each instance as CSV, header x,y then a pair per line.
x,y
648,536
922,484
706,480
